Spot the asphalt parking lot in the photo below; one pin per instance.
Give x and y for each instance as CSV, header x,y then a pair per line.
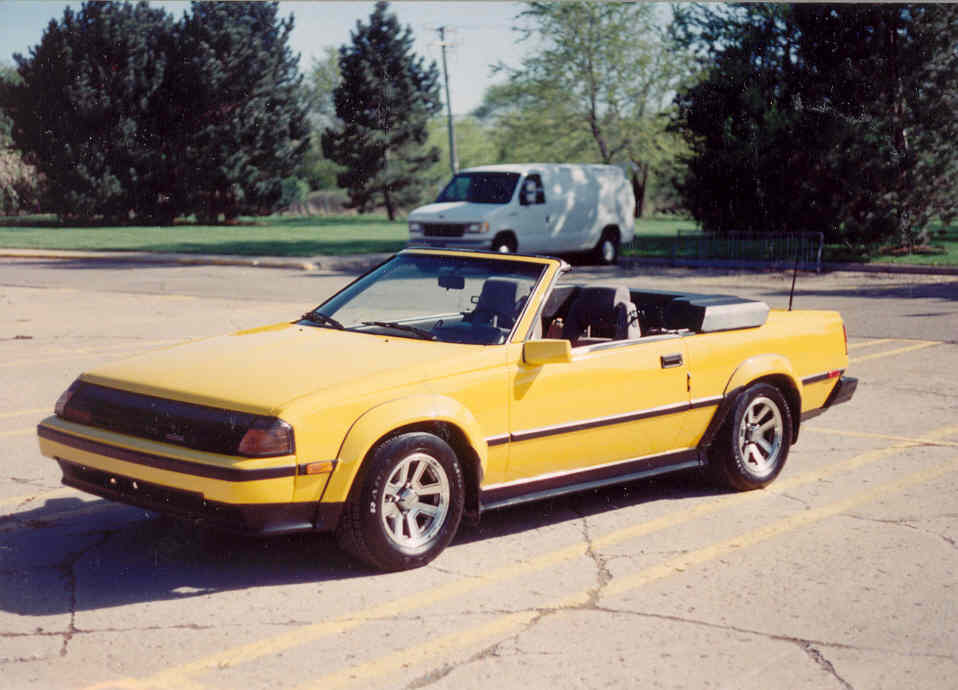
x,y
842,574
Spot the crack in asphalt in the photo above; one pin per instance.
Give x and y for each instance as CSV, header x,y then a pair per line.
x,y
907,522
603,577
824,664
776,636
67,568
603,574
798,500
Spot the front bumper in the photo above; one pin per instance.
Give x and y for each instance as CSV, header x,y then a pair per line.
x,y
243,497
451,242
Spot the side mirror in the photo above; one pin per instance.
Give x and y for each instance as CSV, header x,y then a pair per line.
x,y
549,351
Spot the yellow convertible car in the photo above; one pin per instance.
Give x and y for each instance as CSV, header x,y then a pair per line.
x,y
442,384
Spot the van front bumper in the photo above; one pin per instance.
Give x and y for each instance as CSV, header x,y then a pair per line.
x,y
452,242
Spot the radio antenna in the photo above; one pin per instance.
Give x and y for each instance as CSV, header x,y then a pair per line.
x,y
791,293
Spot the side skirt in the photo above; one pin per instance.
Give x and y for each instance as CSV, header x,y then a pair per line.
x,y
558,484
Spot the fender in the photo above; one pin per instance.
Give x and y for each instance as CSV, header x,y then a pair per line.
x,y
759,367
753,369
395,414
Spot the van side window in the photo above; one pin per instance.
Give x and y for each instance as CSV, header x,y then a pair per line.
x,y
532,191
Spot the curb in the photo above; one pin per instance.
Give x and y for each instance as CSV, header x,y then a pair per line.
x,y
904,269
360,263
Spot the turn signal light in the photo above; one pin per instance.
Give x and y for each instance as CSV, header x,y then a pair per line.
x,y
267,437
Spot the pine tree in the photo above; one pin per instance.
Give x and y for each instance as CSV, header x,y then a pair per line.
x,y
384,103
243,118
84,107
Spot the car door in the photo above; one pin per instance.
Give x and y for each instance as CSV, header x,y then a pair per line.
x,y
534,228
618,403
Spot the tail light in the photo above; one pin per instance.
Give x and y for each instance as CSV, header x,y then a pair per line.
x,y
845,336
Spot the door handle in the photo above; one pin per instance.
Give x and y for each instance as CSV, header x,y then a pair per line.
x,y
670,361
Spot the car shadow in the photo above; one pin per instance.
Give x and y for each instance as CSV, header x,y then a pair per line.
x,y
70,555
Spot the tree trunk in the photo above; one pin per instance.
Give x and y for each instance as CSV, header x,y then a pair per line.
x,y
640,179
390,207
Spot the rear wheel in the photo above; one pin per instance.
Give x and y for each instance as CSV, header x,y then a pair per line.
x,y
406,505
751,450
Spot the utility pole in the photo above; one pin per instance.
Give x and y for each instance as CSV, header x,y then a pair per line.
x,y
453,158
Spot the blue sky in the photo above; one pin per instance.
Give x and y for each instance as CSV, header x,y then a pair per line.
x,y
480,31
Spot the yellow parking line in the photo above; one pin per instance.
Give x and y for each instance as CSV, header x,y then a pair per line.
x,y
512,623
898,351
869,343
177,677
24,413
18,432
79,353
884,437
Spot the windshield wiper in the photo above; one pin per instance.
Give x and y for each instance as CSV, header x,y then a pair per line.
x,y
321,319
421,332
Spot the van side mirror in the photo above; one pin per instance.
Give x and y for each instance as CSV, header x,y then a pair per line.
x,y
547,351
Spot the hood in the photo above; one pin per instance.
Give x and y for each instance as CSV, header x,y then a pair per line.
x,y
260,371
455,211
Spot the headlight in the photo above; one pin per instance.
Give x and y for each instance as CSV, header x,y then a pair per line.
x,y
267,437
477,227
415,228
75,412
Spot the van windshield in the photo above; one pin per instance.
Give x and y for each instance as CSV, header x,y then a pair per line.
x,y
480,188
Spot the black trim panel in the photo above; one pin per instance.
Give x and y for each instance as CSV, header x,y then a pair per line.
x,y
580,480
196,469
612,420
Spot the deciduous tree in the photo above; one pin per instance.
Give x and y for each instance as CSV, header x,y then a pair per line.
x,y
838,118
594,89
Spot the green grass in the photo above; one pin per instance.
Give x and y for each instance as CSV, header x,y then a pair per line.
x,y
941,250
272,236
339,235
654,237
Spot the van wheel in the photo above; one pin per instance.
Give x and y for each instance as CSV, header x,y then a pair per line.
x,y
405,505
752,447
606,252
504,244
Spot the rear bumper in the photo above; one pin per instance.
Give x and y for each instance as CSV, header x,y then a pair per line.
x,y
841,393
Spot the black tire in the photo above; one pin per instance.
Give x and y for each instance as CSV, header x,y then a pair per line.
x,y
504,244
750,451
386,521
606,251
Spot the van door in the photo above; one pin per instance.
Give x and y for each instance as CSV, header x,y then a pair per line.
x,y
534,227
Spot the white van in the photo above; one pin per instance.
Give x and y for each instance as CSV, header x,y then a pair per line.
x,y
535,208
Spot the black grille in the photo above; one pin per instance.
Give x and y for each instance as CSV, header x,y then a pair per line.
x,y
194,426
444,229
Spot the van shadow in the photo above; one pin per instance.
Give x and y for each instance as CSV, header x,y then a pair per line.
x,y
69,556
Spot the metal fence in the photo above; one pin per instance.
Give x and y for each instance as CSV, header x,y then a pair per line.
x,y
748,249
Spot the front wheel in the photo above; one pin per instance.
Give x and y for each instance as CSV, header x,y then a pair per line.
x,y
606,252
504,244
753,446
406,505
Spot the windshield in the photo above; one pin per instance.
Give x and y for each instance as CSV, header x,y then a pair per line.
x,y
432,297
480,188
